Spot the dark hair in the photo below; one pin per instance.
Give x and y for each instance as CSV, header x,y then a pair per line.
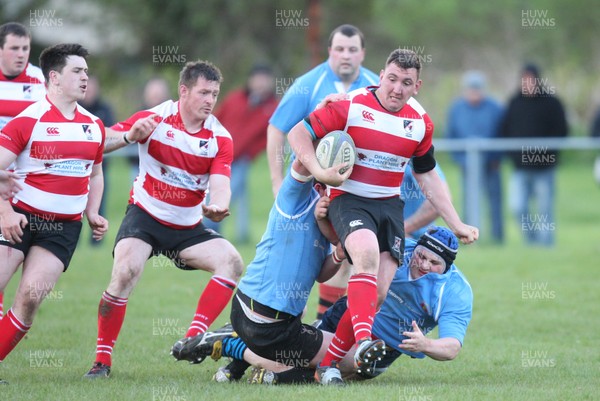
x,y
349,31
12,28
404,58
531,68
195,69
54,58
260,69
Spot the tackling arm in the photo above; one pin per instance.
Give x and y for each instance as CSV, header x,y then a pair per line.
x,y
275,153
441,349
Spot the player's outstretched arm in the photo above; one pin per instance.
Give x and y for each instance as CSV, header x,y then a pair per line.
x,y
275,156
424,215
139,131
220,195
433,187
441,349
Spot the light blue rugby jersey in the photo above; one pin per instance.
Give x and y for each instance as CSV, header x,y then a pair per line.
x,y
308,90
290,254
413,197
431,300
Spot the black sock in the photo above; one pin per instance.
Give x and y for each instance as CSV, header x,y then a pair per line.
x,y
296,376
237,368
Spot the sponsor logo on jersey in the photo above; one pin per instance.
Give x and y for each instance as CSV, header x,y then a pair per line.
x,y
362,156
355,223
170,135
52,131
368,116
203,147
87,131
27,90
408,127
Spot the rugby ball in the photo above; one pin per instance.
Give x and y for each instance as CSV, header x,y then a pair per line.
x,y
335,148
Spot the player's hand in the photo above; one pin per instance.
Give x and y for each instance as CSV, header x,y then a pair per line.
x,y
334,176
9,185
98,224
466,234
12,225
322,207
214,212
416,341
143,127
333,97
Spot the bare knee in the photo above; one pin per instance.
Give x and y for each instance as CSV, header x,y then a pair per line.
x,y
28,302
124,277
363,248
234,266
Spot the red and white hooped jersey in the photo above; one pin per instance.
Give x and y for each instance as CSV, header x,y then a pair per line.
x,y
384,141
55,157
21,92
175,165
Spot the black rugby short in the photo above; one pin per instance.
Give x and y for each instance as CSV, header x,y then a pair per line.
x,y
288,342
163,239
58,237
384,217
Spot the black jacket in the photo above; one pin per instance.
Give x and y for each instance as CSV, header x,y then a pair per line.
x,y
538,116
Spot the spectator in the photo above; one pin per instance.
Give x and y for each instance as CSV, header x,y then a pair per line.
x,y
476,115
596,134
156,91
534,112
245,113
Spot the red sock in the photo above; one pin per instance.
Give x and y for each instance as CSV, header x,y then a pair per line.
x,y
362,303
1,304
213,300
111,313
341,342
12,330
328,295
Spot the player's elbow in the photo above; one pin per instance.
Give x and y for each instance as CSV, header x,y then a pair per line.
x,y
452,350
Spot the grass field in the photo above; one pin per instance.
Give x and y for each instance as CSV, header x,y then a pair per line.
x,y
534,333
